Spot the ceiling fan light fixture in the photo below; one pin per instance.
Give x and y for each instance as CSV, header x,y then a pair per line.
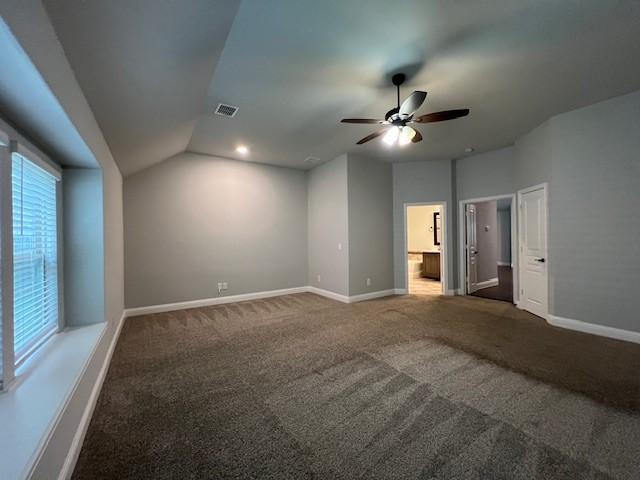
x,y
406,135
242,149
391,137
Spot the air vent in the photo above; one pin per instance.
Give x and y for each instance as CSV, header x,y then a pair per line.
x,y
226,110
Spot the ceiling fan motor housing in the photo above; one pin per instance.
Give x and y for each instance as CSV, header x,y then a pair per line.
x,y
398,79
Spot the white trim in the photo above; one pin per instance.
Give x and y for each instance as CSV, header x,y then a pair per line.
x,y
371,295
205,302
592,328
6,269
505,264
492,282
444,260
78,438
53,425
327,293
462,290
400,291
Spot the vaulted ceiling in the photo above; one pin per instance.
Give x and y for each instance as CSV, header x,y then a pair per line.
x,y
154,70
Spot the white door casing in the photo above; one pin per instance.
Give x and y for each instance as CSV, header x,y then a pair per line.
x,y
471,248
532,206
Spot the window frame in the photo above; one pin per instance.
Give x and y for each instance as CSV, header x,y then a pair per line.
x,y
12,142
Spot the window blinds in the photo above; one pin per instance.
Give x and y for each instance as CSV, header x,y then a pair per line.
x,y
35,256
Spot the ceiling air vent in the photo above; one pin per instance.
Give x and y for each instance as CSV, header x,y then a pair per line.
x,y
226,110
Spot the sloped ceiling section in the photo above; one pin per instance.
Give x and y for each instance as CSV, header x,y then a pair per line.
x,y
145,67
154,70
296,67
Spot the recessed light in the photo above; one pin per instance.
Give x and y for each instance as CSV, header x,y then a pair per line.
x,y
468,149
242,149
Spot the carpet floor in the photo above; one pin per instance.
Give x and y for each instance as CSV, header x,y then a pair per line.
x,y
407,387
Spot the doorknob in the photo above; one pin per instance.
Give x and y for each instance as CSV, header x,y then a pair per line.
x,y
541,260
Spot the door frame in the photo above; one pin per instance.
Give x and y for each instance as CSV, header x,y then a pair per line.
x,y
515,242
545,192
444,261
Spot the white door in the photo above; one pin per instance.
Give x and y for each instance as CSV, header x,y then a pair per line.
x,y
533,250
472,249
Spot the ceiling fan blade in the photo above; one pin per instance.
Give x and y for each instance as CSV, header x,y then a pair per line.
x,y
441,116
371,137
412,103
361,120
417,137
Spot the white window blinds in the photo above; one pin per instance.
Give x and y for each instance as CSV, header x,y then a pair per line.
x,y
35,255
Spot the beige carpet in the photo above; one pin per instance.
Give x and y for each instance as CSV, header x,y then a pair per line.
x,y
407,387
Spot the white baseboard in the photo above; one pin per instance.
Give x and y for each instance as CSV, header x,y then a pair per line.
x,y
327,293
169,307
371,295
400,291
493,282
601,330
78,438
353,298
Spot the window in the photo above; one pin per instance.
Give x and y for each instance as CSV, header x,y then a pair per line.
x,y
35,255
29,297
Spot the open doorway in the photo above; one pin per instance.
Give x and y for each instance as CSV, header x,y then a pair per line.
x,y
488,248
425,244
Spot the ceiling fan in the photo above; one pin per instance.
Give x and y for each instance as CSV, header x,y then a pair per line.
x,y
397,119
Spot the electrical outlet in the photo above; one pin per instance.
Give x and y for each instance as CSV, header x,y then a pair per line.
x,y
318,278
222,286
368,282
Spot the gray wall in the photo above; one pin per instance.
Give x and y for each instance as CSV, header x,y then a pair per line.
x,y
370,216
415,182
30,24
486,174
487,240
589,158
195,220
83,246
504,235
533,158
594,222
328,221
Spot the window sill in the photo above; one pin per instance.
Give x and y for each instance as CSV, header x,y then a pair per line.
x,y
31,406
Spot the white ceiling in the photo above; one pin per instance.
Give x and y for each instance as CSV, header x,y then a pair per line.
x,y
153,71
